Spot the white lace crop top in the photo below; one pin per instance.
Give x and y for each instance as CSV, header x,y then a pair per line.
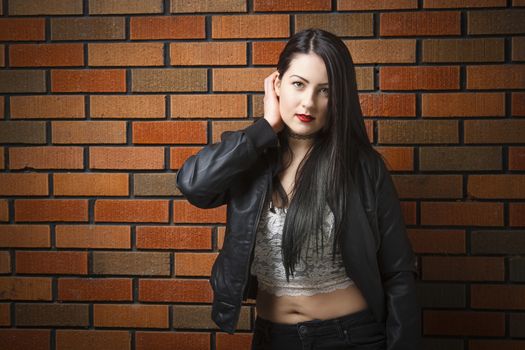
x,y
317,274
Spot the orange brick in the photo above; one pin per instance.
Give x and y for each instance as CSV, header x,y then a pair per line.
x,y
90,184
464,323
250,26
21,339
509,76
398,158
167,27
2,160
173,237
92,80
194,264
46,55
494,131
209,106
92,339
103,7
341,24
138,158
93,236
77,132
459,268
462,213
5,262
47,106
277,6
517,214
25,236
2,103
4,210
131,316
127,106
51,262
131,210
126,54
237,341
419,78
420,23
518,104
22,29
95,289
438,241
218,127
463,104
382,51
20,184
357,5
240,79
5,314
516,158
175,290
507,186
207,53
184,212
25,288
51,210
46,157
463,3
169,132
178,155
388,105
266,52
171,340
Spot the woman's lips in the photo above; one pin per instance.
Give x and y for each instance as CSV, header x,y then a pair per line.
x,y
304,118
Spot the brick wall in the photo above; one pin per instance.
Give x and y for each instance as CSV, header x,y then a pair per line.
x,y
102,101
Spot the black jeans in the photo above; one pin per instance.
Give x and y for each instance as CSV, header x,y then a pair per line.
x,y
357,331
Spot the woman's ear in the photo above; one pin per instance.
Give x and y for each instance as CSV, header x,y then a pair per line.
x,y
277,86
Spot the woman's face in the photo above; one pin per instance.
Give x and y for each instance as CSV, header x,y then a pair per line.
x,y
303,89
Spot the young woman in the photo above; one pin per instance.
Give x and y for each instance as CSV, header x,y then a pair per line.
x,y
314,228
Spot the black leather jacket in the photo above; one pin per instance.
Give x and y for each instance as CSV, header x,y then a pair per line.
x,y
377,254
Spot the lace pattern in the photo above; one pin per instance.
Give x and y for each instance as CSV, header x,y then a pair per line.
x,y
314,274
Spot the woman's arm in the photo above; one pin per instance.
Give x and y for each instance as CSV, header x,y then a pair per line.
x,y
206,177
398,266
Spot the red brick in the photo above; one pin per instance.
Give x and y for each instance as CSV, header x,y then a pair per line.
x,y
508,76
518,104
250,26
20,184
496,296
516,158
184,212
95,289
2,64
237,341
438,241
46,55
90,184
24,236
126,54
51,210
194,264
218,127
2,102
462,213
23,339
463,3
51,262
178,155
518,48
173,237
209,106
463,104
4,210
507,186
463,268
420,23
388,105
131,210
68,339
398,158
517,214
207,53
221,233
131,316
489,344
169,132
93,236
281,6
382,51
2,160
266,52
127,106
167,27
47,107
409,210
357,5
22,29
123,158
5,315
172,341
25,288
463,323
175,290
92,80
419,78
5,262
46,157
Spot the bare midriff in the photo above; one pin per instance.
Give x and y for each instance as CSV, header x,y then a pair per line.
x,y
322,306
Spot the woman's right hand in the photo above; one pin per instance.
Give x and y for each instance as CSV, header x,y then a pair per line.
x,y
271,103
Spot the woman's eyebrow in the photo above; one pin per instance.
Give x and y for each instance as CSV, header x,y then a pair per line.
x,y
295,75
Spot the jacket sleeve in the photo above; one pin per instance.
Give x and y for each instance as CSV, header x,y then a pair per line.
x,y
205,178
398,266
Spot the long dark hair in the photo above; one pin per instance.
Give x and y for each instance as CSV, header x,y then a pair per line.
x,y
325,174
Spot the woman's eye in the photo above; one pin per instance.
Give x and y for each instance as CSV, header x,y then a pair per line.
x,y
297,82
325,91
